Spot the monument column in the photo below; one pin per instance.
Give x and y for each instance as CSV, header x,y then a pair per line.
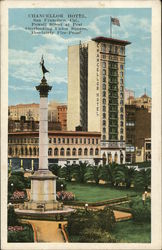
x,y
43,182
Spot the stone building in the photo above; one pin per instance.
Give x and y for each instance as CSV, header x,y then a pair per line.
x,y
62,116
143,101
138,128
63,147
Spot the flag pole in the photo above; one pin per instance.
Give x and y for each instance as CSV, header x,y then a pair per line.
x,y
110,27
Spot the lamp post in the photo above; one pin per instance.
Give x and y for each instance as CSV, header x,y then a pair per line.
x,y
86,206
12,187
62,187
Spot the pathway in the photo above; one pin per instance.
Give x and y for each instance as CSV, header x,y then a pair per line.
x,y
47,231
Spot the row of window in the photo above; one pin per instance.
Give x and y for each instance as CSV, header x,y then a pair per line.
x,y
56,140
73,140
55,152
73,152
112,49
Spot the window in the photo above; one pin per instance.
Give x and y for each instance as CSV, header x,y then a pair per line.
x,y
76,140
34,151
103,64
67,140
104,101
88,141
104,71
121,66
104,78
121,74
63,140
104,115
79,151
121,50
116,49
59,140
104,122
72,140
49,140
80,140
50,151
121,137
121,123
85,151
62,151
96,141
121,95
96,151
121,81
56,151
104,86
68,152
104,137
121,102
121,109
121,117
121,131
30,151
104,108
121,88
104,130
103,47
84,140
74,151
91,151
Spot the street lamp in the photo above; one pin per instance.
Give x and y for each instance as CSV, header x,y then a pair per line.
x,y
12,187
86,206
62,187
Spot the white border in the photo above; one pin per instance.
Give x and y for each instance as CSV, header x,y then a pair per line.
x,y
156,119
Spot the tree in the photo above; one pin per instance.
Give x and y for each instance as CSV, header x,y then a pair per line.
x,y
79,172
55,169
108,173
67,172
124,175
93,173
143,179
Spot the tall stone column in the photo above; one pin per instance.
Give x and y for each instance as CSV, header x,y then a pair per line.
x,y
43,182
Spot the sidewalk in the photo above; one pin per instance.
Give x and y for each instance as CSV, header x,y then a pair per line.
x,y
47,231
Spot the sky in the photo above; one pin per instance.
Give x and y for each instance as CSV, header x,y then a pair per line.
x,y
26,49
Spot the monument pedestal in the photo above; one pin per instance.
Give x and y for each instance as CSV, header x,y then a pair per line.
x,y
43,191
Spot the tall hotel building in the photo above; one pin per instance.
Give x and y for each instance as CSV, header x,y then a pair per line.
x,y
96,92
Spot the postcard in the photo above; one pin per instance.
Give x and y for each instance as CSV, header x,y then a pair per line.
x,y
80,125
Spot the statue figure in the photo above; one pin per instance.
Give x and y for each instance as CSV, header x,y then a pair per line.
x,y
44,70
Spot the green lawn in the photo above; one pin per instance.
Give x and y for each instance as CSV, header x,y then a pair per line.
x,y
94,193
131,232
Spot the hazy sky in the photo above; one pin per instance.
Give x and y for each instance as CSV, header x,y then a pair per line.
x,y
25,50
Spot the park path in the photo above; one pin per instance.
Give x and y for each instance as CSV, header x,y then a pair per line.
x,y
46,231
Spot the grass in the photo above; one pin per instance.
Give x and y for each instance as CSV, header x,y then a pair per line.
x,y
131,232
94,193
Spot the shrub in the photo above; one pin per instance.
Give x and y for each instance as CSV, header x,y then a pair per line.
x,y
59,183
18,195
20,234
12,217
141,212
90,234
81,219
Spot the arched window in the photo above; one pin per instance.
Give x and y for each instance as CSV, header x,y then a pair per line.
x,y
10,151
34,151
109,158
26,151
104,159
22,151
79,151
56,151
62,151
85,151
50,151
116,158
68,153
103,48
96,151
121,158
121,130
74,151
30,151
91,151
16,151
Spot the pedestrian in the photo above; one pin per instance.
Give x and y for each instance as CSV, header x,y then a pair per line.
x,y
143,198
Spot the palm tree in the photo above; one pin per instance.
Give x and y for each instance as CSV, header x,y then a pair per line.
x,y
55,169
93,173
67,172
143,178
108,173
79,172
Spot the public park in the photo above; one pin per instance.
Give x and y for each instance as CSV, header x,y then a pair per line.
x,y
115,199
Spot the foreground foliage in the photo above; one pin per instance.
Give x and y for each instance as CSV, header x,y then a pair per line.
x,y
90,226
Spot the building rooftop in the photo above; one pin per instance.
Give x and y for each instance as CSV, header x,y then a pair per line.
x,y
110,40
56,132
